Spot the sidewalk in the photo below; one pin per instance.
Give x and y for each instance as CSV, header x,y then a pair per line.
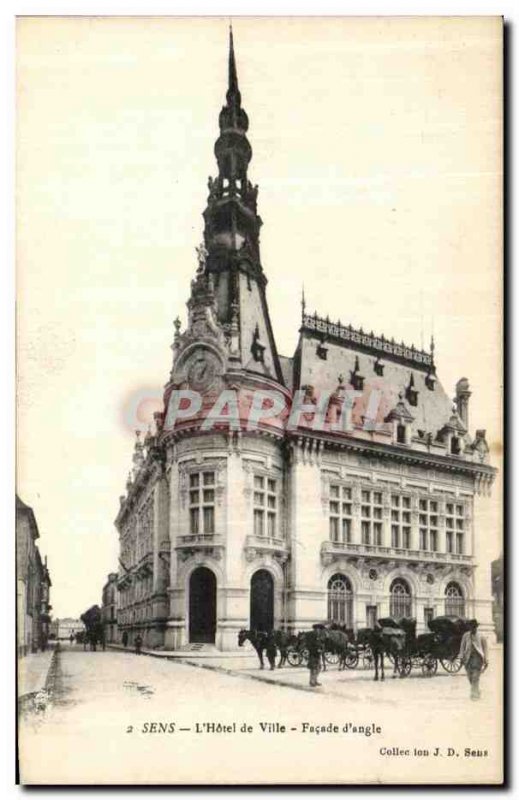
x,y
243,663
241,658
33,677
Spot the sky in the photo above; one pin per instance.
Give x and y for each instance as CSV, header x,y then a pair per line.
x,y
377,150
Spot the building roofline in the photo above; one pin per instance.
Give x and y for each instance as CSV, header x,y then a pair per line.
x,y
369,343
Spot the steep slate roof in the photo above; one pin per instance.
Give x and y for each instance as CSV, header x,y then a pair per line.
x,y
287,369
433,409
22,509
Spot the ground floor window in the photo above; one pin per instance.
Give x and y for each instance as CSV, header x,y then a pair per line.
x,y
340,600
454,600
400,601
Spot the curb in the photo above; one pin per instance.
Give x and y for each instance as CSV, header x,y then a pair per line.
x,y
235,674
222,670
38,700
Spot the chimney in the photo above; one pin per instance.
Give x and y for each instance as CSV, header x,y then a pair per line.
x,y
462,400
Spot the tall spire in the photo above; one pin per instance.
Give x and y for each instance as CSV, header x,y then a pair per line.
x,y
233,91
231,217
231,240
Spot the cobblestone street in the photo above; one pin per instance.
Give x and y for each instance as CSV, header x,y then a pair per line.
x,y
100,723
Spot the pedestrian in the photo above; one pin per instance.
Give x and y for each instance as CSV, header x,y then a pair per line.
x,y
138,644
125,638
271,649
314,646
474,657
72,637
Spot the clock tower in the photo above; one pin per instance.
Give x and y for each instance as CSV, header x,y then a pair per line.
x,y
228,296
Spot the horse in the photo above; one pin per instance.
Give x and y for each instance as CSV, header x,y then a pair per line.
x,y
333,640
283,641
337,641
261,642
383,643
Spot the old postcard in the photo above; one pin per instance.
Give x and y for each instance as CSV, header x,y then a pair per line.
x,y
259,466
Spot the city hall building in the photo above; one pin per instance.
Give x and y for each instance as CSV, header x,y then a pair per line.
x,y
224,527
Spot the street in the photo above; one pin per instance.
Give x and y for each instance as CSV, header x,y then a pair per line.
x,y
121,718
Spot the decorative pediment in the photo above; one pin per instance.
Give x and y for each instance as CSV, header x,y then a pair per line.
x,y
400,412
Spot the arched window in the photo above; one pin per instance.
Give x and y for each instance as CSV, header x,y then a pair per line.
x,y
454,600
400,604
340,600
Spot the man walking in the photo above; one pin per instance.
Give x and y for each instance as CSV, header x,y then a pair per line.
x,y
138,644
474,656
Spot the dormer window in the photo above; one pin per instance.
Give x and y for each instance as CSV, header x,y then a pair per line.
x,y
411,393
378,367
430,381
257,348
401,434
455,446
322,350
357,380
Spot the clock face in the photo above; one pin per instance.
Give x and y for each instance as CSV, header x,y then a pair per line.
x,y
202,371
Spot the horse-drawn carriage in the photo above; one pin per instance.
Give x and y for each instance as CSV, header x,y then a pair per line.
x,y
292,648
447,633
427,650
395,638
336,646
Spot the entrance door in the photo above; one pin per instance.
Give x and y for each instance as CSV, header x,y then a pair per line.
x,y
202,606
262,601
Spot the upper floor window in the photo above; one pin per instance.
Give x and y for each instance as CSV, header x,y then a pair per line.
x,y
400,521
340,513
455,528
371,517
428,524
201,502
265,506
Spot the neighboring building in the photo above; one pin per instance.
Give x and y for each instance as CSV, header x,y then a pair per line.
x,y
109,608
227,529
498,596
64,628
33,584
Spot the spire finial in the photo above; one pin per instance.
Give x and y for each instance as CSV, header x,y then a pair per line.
x,y
233,90
303,301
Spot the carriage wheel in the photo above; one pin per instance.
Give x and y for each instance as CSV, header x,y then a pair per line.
x,y
351,660
294,658
405,666
429,666
451,665
331,658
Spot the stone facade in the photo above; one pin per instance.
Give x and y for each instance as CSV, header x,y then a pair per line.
x,y
32,584
226,527
109,608
64,628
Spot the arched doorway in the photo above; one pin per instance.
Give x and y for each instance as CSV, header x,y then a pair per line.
x,y
454,600
262,601
400,604
340,600
202,606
